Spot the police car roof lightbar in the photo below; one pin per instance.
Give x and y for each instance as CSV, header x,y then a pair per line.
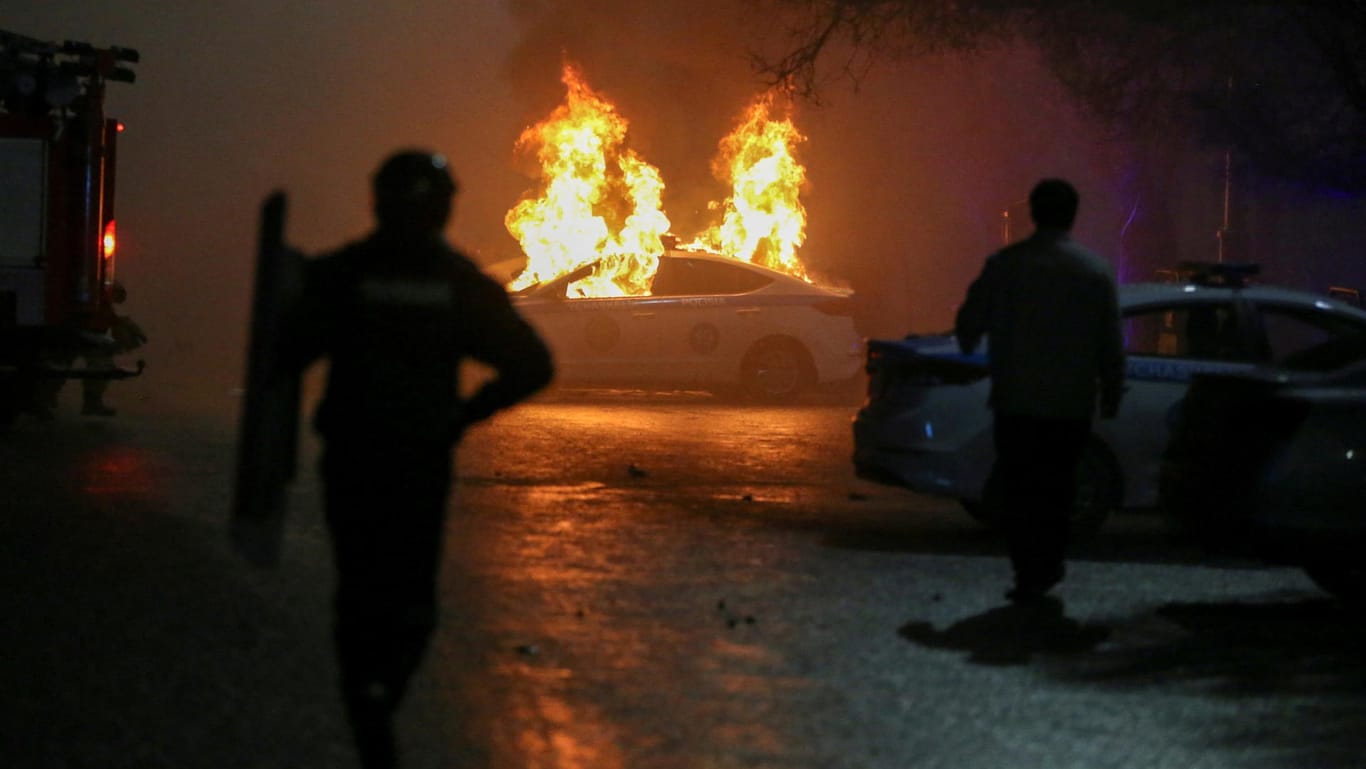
x,y
1225,274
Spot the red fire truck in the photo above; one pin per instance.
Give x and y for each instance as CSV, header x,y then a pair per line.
x,y
57,232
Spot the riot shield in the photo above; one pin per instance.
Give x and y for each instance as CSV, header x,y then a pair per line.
x,y
268,432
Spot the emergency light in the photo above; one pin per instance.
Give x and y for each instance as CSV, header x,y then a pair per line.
x,y
109,241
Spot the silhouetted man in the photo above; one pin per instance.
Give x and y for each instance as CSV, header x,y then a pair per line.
x,y
101,338
395,313
1050,311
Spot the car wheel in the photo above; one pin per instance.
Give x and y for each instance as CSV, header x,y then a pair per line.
x,y
1343,580
776,370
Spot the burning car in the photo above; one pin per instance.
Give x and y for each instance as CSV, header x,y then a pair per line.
x,y
623,301
926,425
708,322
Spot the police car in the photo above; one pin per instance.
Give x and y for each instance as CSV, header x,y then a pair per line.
x,y
1285,485
710,323
926,425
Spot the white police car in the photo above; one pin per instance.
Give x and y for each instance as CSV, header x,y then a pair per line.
x,y
710,323
926,425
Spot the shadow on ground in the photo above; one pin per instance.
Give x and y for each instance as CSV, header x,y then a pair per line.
x,y
1012,634
1293,666
1297,665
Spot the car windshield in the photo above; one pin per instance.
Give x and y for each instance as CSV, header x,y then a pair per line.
x,y
676,276
693,277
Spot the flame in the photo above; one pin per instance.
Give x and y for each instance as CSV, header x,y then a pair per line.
x,y
763,221
597,199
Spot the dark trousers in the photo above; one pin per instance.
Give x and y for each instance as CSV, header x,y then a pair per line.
x,y
386,508
1034,479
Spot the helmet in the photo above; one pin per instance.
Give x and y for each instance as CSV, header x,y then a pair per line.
x,y
413,189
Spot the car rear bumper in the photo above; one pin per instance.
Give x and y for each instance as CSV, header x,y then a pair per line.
x,y
837,357
927,473
896,451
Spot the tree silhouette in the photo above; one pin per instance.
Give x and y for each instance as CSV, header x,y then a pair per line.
x,y
1280,84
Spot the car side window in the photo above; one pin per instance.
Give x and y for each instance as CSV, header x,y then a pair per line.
x,y
1293,330
1207,331
690,277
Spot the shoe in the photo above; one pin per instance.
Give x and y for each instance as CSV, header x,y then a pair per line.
x,y
97,410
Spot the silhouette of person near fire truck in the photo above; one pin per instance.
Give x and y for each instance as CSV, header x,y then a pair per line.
x,y
1050,311
395,313
104,337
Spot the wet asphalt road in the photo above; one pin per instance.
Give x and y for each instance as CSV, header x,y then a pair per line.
x,y
641,582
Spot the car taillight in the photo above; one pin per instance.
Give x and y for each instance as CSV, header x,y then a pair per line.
x,y
110,241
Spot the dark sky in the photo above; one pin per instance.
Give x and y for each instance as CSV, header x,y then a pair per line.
x,y
908,174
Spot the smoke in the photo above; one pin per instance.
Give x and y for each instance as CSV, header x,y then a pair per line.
x,y
908,174
235,100
677,71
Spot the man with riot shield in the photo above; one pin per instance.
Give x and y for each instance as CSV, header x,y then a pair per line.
x,y
395,313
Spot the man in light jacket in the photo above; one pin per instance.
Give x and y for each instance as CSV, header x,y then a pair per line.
x,y
1050,310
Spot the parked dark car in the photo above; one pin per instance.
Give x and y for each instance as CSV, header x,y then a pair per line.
x,y
1271,462
926,425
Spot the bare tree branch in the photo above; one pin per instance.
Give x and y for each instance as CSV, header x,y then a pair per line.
x,y
1282,82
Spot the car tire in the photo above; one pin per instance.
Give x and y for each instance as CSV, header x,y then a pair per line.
x,y
776,370
1343,580
1098,494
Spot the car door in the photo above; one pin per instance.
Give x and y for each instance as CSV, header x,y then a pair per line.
x,y
1165,345
595,340
706,322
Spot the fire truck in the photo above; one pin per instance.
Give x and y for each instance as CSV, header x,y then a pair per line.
x,y
58,154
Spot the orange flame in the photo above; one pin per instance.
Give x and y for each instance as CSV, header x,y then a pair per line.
x,y
763,221
597,199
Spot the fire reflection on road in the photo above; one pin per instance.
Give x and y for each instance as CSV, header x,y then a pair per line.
x,y
115,470
612,604
556,732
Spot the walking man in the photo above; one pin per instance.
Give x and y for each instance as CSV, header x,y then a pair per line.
x,y
1050,312
395,313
